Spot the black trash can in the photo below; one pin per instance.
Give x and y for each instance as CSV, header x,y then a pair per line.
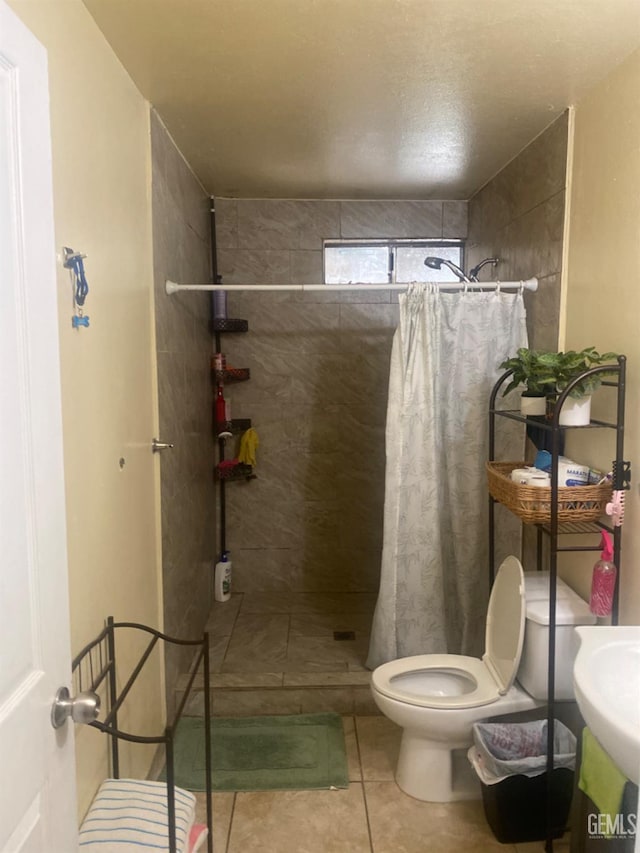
x,y
510,760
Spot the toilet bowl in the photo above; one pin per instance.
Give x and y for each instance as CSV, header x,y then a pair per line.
x,y
426,766
436,699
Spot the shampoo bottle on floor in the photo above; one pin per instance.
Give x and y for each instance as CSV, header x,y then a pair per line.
x,y
222,578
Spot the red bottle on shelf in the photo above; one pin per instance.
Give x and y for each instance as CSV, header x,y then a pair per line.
x,y
221,408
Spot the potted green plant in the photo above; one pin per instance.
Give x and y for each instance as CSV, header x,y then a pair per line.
x,y
576,409
535,371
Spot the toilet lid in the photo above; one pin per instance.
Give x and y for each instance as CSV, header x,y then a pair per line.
x,y
505,624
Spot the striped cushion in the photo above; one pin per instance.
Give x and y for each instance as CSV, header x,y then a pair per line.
x,y
131,815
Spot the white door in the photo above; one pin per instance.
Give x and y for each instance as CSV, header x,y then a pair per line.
x,y
37,787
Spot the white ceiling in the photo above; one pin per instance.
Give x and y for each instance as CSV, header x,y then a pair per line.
x,y
421,99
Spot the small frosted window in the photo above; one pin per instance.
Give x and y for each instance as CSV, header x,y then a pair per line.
x,y
388,261
343,264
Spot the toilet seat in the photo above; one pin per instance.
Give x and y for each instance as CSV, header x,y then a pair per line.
x,y
489,677
484,687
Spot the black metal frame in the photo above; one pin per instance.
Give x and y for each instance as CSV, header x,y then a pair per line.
x,y
218,327
103,648
554,529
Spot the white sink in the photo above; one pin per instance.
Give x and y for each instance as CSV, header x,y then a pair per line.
x,y
606,677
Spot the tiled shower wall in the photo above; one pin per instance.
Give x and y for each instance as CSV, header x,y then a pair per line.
x,y
312,520
181,252
519,217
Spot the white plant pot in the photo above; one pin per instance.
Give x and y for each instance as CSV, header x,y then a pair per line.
x,y
533,405
576,411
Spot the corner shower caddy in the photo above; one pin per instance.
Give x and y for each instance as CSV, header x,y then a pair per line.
x,y
555,523
234,426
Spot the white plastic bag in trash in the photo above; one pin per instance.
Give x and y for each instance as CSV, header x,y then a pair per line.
x,y
501,750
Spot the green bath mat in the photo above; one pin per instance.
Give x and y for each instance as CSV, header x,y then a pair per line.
x,y
297,752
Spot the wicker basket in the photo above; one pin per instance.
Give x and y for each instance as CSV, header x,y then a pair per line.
x,y
533,504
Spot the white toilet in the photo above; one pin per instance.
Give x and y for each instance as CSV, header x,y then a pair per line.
x,y
437,698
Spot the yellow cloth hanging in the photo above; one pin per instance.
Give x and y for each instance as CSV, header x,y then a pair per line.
x,y
600,779
248,443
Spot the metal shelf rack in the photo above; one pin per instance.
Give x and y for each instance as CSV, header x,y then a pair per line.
x,y
553,529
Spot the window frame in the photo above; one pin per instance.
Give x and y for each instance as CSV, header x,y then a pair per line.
x,y
392,244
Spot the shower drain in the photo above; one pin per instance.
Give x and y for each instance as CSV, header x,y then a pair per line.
x,y
344,635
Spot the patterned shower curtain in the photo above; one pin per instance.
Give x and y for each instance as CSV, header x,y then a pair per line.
x,y
434,574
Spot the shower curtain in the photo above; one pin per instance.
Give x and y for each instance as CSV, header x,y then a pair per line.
x,y
434,574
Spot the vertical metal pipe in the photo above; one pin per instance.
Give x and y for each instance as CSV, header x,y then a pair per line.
x,y
215,278
207,743
171,789
113,695
492,547
223,509
553,573
222,492
214,243
617,531
492,456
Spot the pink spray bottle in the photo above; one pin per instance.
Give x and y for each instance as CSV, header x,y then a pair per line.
x,y
604,579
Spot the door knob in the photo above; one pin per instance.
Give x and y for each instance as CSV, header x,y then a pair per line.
x,y
83,708
157,446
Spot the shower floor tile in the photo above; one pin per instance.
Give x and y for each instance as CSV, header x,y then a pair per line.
x,y
283,654
308,602
324,653
258,643
325,624
288,635
291,634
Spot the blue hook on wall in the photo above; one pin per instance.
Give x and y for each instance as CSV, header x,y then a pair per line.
x,y
73,262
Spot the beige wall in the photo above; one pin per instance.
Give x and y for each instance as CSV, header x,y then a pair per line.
x,y
319,362
100,141
603,284
182,252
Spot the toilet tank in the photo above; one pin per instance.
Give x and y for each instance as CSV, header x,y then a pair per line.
x,y
571,610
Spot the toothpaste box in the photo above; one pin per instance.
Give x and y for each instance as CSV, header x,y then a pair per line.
x,y
571,473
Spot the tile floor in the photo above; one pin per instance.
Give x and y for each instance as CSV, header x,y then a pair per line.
x,y
275,654
290,632
372,816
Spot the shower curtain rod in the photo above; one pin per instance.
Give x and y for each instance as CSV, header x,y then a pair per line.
x,y
529,284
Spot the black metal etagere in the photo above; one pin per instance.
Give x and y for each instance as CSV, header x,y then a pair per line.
x,y
553,529
94,669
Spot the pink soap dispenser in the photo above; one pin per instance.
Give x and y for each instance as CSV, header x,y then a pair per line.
x,y
604,579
